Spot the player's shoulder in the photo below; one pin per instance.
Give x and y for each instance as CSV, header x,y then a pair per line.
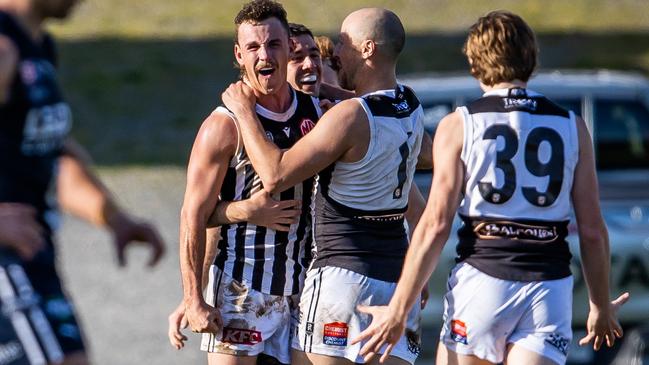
x,y
218,130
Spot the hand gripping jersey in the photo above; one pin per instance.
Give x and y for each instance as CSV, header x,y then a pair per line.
x,y
359,221
34,122
520,151
274,262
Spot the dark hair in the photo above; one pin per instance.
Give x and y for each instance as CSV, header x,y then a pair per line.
x,y
260,10
501,47
296,29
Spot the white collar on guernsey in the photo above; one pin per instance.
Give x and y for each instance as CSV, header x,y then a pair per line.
x,y
279,117
387,92
505,92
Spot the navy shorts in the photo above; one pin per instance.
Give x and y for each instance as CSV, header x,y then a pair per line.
x,y
33,301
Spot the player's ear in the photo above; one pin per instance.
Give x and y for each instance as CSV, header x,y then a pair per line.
x,y
291,45
368,48
238,55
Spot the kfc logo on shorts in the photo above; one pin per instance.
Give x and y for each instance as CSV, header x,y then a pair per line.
x,y
241,336
458,331
335,334
306,126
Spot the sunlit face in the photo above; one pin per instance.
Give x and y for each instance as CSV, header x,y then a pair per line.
x,y
305,65
262,51
349,58
58,9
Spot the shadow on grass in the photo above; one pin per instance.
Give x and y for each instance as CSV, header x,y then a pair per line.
x,y
140,102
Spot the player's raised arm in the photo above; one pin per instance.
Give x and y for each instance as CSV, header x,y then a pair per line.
x,y
339,131
215,144
429,237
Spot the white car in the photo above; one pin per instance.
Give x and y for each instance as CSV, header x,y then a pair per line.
x,y
615,106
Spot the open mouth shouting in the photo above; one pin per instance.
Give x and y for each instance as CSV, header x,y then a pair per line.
x,y
266,71
309,79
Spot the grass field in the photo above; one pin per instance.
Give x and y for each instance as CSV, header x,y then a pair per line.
x,y
141,75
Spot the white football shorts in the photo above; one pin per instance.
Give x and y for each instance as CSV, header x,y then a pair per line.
x,y
328,319
483,314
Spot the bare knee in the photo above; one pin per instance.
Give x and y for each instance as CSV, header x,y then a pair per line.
x,y
76,358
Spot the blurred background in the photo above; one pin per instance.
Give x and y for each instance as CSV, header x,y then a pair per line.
x,y
141,76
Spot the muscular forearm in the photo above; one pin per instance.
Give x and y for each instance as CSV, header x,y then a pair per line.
x,y
416,206
595,257
425,159
192,257
227,212
82,194
421,259
265,156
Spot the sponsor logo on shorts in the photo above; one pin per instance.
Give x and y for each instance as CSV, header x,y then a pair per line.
x,y
515,231
335,334
241,336
309,328
558,341
458,331
306,126
414,342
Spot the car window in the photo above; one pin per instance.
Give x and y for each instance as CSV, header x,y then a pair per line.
x,y
433,114
621,134
570,104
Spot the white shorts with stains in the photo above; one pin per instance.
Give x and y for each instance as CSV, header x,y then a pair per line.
x,y
253,322
328,319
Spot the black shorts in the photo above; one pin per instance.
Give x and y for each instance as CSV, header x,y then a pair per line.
x,y
57,321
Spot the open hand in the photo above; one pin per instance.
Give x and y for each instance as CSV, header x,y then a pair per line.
x,y
127,231
384,329
603,324
177,322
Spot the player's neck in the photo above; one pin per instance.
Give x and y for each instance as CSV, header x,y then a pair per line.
x,y
504,85
277,102
373,79
24,12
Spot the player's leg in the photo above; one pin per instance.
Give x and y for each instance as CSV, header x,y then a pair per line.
x,y
76,358
449,357
520,355
214,358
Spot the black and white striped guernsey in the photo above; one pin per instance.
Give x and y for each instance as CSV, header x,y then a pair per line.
x,y
359,220
271,262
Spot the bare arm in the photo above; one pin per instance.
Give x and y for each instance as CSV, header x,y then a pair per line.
x,y
261,209
342,131
328,91
425,159
594,246
416,206
388,323
8,64
81,193
215,144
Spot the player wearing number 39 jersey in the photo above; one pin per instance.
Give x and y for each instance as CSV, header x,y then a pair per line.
x,y
366,150
513,164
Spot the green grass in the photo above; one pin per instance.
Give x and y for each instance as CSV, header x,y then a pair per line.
x,y
141,75
191,18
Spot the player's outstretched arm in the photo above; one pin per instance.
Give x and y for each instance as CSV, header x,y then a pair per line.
x,y
8,64
388,322
602,322
213,148
81,193
338,132
260,209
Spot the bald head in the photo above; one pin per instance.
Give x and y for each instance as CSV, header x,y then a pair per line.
x,y
381,26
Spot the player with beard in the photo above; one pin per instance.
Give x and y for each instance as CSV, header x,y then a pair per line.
x,y
42,169
365,150
513,165
258,270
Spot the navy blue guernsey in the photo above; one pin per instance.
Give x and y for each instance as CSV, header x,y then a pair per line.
x,y
272,262
34,123
360,206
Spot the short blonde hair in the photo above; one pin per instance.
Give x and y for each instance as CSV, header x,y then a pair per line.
x,y
501,47
325,45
